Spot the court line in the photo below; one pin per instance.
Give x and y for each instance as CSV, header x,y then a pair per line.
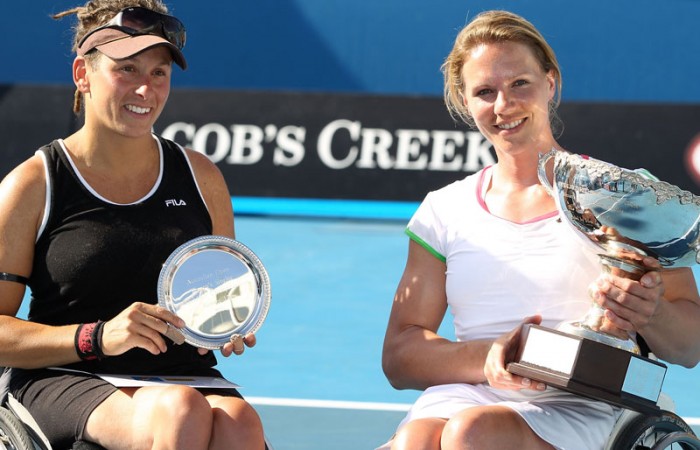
x,y
332,404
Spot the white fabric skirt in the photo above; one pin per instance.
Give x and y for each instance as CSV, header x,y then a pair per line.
x,y
566,421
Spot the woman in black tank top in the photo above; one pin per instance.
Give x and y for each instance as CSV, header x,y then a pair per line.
x,y
89,221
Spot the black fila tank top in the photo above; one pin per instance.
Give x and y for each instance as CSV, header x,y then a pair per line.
x,y
94,258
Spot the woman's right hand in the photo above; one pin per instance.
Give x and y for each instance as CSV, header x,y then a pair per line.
x,y
140,325
502,352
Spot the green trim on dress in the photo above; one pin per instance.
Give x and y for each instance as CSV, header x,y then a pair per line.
x,y
425,245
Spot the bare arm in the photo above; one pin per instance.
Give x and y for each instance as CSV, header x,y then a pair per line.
x,y
23,343
218,200
414,356
215,192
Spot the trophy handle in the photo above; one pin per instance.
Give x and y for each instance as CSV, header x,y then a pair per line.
x,y
542,170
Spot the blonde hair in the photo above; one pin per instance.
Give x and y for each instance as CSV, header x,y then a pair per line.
x,y
94,14
488,28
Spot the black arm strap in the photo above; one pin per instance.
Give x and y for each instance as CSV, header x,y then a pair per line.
x,y
4,276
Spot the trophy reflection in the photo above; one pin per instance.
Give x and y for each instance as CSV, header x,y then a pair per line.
x,y
216,310
625,215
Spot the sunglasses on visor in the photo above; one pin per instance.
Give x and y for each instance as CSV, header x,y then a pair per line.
x,y
138,21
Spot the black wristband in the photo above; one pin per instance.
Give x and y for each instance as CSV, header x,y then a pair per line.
x,y
83,341
96,338
88,341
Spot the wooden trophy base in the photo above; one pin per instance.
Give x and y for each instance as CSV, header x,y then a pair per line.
x,y
589,368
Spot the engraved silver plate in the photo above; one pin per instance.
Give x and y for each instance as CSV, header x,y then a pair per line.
x,y
218,286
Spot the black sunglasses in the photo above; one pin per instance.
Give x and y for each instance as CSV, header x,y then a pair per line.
x,y
138,21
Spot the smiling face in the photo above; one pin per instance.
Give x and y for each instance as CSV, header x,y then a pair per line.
x,y
507,93
126,96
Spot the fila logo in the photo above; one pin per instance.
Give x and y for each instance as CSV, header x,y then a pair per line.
x,y
174,202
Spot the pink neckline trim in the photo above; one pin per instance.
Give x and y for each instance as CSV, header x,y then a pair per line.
x,y
482,203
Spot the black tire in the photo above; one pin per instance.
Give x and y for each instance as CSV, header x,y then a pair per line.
x,y
13,435
642,432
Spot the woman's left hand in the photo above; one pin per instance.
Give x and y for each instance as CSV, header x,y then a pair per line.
x,y
630,305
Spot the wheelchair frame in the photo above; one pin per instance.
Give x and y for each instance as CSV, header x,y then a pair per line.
x,y
25,433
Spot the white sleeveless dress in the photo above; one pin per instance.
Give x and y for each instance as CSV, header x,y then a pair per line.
x,y
499,272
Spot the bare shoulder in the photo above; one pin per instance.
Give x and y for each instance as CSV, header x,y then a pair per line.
x,y
208,175
201,164
215,191
23,190
22,200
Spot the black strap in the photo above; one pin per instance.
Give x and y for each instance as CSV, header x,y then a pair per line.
x,y
643,346
4,276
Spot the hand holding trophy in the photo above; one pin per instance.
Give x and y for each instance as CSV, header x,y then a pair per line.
x,y
626,216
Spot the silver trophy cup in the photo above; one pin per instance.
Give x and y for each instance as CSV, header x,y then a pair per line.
x,y
624,215
627,215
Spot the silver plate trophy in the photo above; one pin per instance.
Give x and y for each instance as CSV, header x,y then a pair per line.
x,y
218,286
625,215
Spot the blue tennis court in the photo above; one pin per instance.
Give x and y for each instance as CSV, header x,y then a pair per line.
x,y
315,376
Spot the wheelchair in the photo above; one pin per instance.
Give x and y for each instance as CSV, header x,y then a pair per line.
x,y
19,431
637,431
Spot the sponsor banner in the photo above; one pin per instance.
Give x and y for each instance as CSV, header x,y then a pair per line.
x,y
360,147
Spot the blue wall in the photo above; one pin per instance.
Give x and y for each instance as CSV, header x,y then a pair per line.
x,y
621,50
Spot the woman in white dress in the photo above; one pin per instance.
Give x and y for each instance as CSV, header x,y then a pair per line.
x,y
492,249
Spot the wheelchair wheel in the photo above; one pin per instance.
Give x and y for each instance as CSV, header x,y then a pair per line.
x,y
13,435
644,432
